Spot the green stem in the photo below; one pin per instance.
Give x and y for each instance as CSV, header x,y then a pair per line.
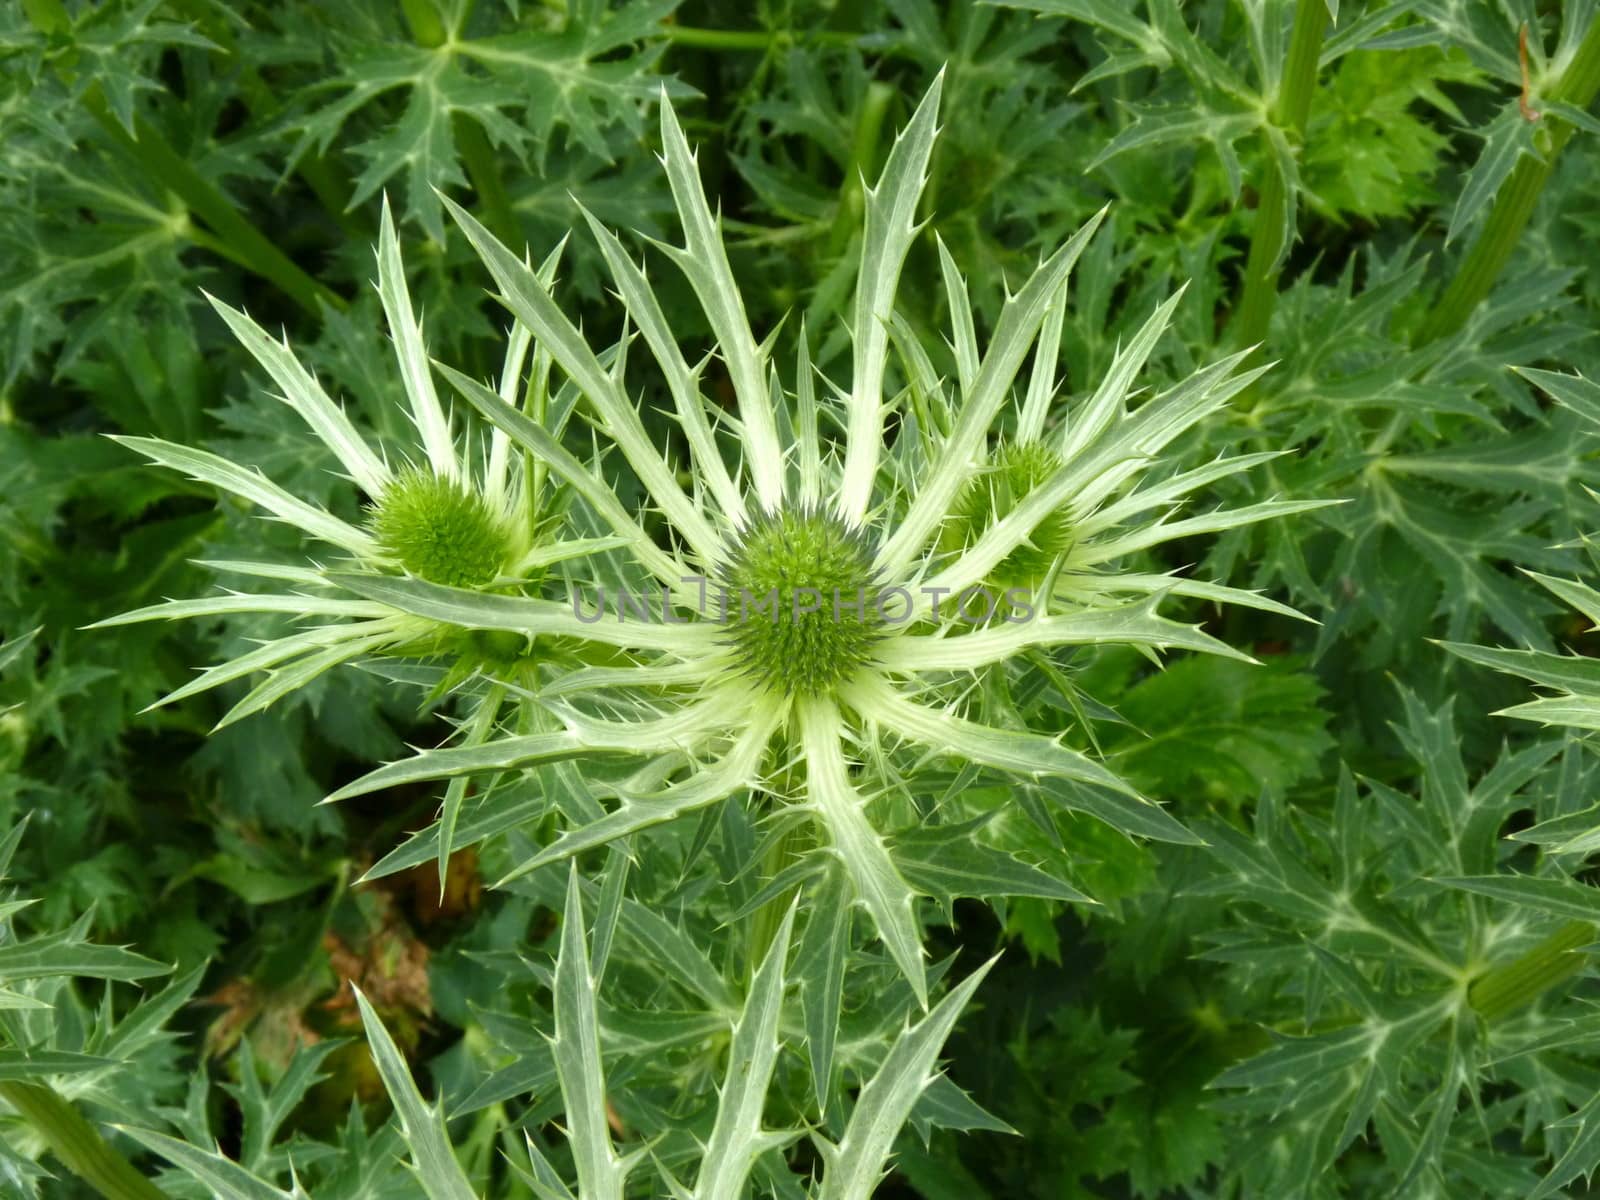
x,y
863,158
1291,112
765,920
251,247
1502,990
1515,201
330,184
77,1143
751,39
478,156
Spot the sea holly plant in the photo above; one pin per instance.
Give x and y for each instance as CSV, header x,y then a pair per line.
x,y
788,568
818,604
450,510
849,586
443,512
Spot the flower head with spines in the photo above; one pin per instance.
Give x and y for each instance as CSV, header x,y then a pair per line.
x,y
453,512
446,514
718,705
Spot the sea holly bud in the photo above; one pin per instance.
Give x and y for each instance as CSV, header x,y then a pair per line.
x,y
441,531
1014,471
802,599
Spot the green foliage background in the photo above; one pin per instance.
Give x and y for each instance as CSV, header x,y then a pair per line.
x,y
1268,1015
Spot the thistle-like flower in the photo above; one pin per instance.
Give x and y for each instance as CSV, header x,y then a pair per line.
x,y
821,599
444,514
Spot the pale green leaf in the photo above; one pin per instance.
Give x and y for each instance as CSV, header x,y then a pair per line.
x,y
857,1164
226,1178
839,806
432,1157
577,1054
737,1136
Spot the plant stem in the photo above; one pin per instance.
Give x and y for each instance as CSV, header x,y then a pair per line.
x,y
1290,112
751,39
863,161
765,920
77,1143
478,156
1515,202
1502,990
171,170
328,183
